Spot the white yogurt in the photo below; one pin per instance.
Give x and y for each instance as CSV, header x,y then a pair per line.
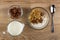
x,y
41,25
15,28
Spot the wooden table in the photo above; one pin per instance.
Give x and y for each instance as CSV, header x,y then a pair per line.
x,y
30,33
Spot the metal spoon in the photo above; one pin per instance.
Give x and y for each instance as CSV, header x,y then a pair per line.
x,y
52,9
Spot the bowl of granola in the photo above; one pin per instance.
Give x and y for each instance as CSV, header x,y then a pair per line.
x,y
38,18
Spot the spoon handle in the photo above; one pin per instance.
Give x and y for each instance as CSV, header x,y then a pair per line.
x,y
52,24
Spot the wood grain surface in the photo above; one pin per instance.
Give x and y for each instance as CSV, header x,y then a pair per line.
x,y
28,32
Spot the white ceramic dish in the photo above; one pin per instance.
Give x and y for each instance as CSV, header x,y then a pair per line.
x,y
15,28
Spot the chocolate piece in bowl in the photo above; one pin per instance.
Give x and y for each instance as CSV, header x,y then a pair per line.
x,y
15,12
